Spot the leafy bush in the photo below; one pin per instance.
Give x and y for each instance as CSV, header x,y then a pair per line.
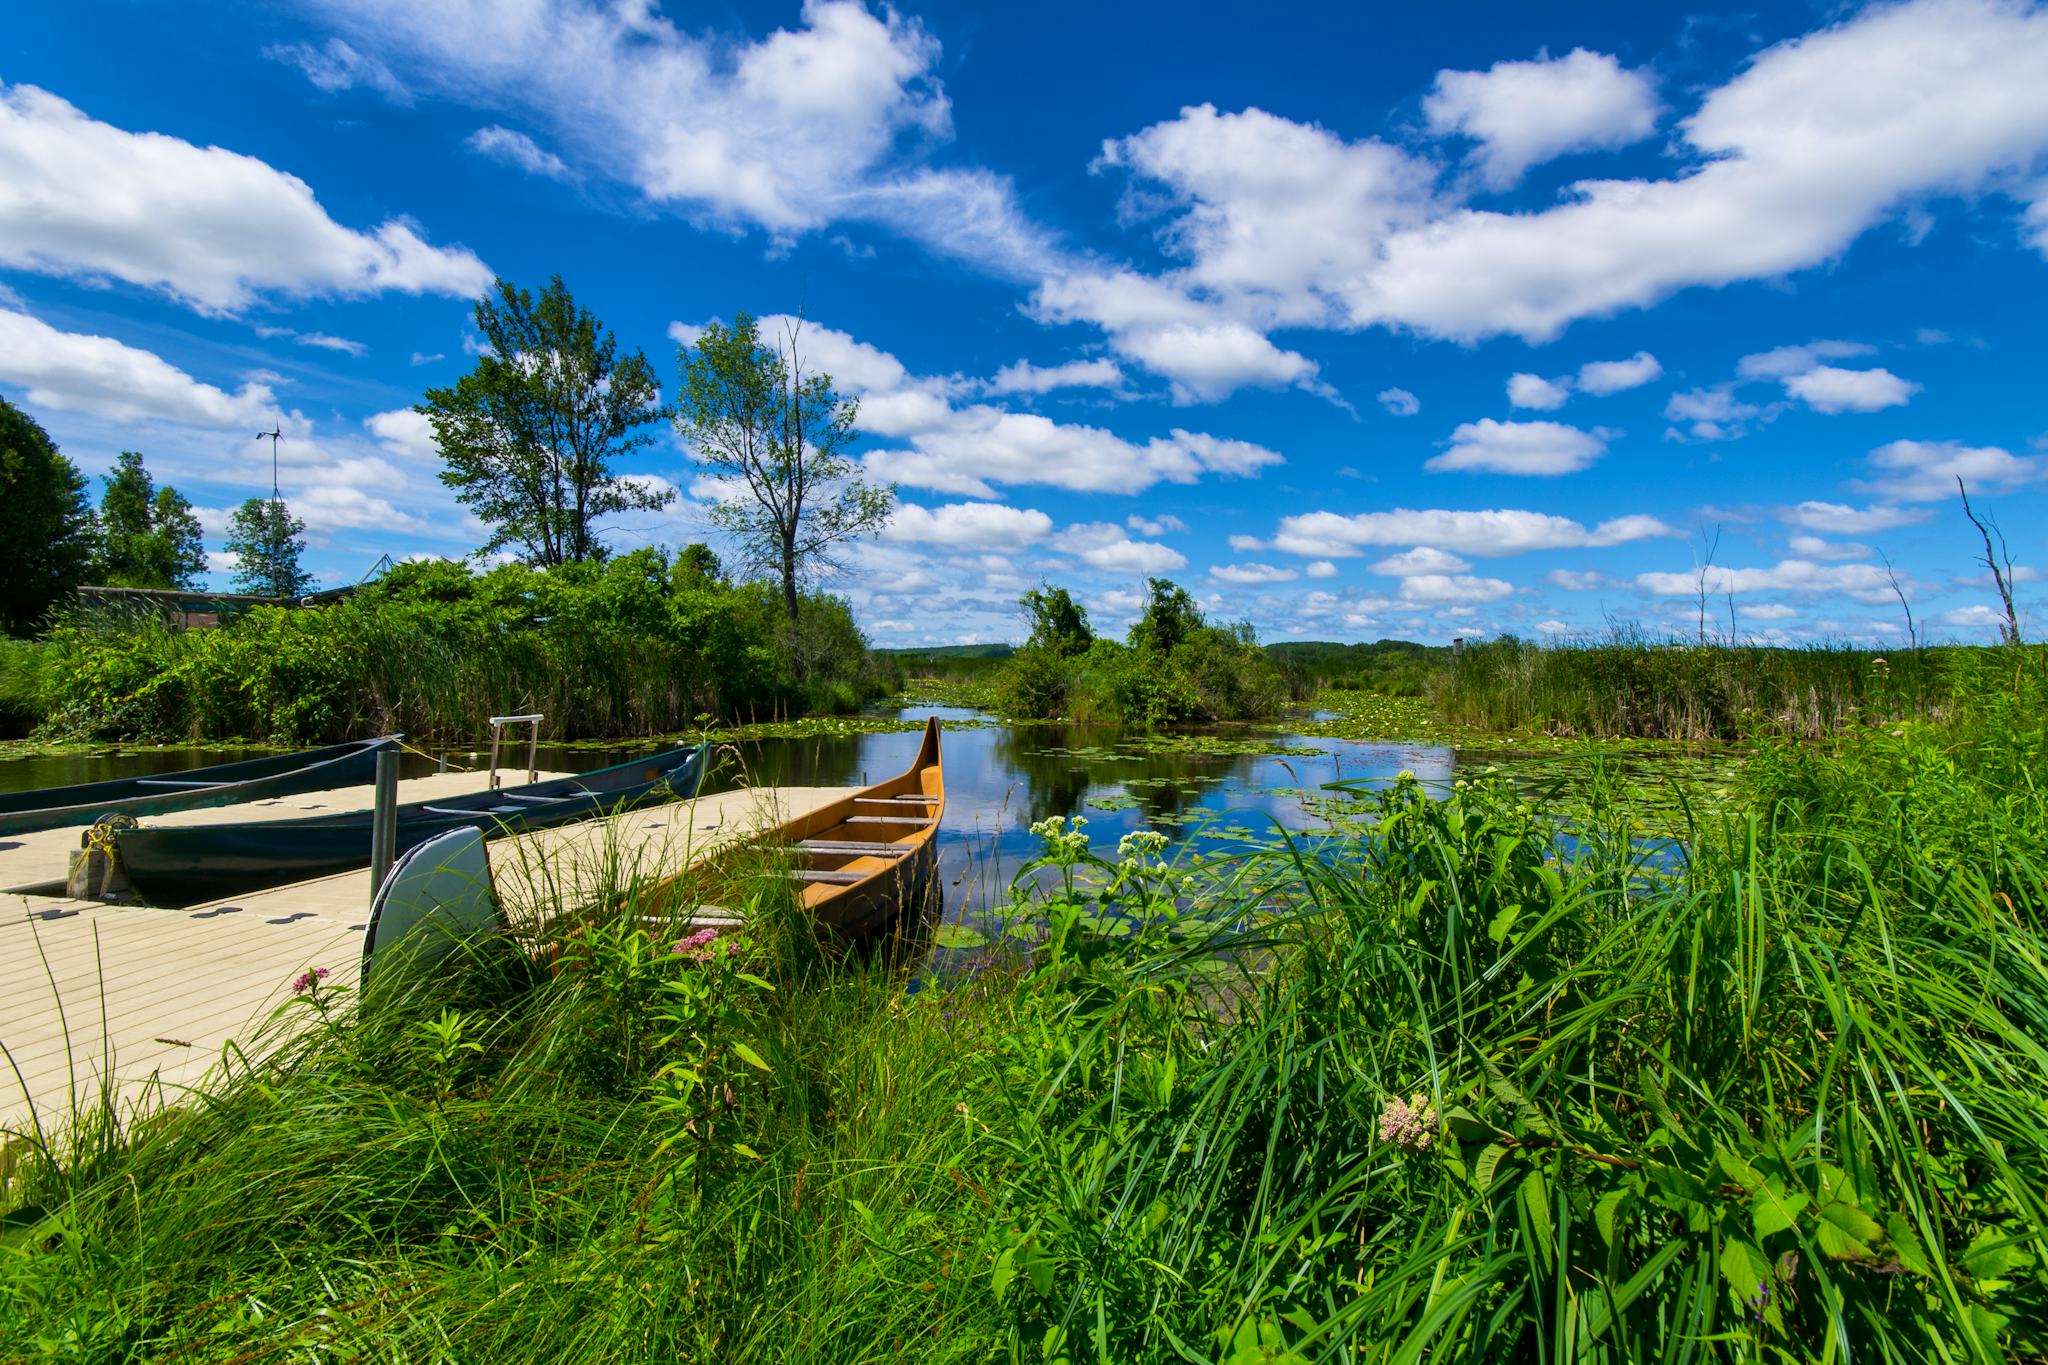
x,y
1177,668
622,648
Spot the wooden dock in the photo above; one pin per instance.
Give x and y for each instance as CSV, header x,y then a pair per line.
x,y
35,862
132,1000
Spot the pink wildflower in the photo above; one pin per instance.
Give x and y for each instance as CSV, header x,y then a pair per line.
x,y
697,947
1409,1124
309,980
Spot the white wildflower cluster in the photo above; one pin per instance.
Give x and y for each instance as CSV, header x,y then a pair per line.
x,y
1063,837
1409,1124
1139,845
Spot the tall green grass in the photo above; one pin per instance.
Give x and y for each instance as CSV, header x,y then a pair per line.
x,y
1473,1081
1633,686
606,653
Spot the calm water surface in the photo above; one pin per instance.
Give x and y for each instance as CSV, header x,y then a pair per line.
x,y
999,781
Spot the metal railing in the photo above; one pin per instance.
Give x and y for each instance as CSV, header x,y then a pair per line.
x,y
498,724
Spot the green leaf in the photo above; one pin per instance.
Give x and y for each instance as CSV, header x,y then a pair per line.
x,y
1535,1196
958,936
753,980
1906,1245
1846,1231
1004,1272
1605,1212
1774,1212
1647,1276
1739,1170
746,1151
749,1056
1992,1255
1502,923
1987,1326
1661,1106
1745,1268
1487,1166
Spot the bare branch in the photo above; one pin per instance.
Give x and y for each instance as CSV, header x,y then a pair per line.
x,y
2001,578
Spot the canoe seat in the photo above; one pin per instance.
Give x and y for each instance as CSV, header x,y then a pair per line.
x,y
175,782
853,848
805,874
482,810
889,820
534,800
896,800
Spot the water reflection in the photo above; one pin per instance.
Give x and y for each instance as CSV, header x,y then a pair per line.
x,y
999,780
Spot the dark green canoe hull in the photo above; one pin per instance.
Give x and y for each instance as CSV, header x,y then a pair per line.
x,y
225,784
186,864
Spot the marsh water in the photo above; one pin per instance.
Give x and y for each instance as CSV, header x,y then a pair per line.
x,y
1204,788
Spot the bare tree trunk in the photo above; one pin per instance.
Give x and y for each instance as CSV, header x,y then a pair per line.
x,y
2009,629
789,599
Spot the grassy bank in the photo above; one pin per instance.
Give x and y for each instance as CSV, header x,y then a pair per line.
x,y
1631,686
634,647
1447,1084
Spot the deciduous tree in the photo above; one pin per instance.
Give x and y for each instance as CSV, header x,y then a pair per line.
x,y
531,436
265,539
46,528
149,537
778,435
1059,624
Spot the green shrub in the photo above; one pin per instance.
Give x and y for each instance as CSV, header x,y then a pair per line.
x,y
622,648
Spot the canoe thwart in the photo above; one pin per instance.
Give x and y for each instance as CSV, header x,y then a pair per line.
x,y
889,820
853,848
807,874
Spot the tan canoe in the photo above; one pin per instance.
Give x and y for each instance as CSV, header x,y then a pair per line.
x,y
863,861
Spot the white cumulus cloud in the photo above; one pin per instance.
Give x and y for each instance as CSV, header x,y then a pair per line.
x,y
517,149
1524,113
1828,388
1400,402
212,228
1025,377
968,525
1105,545
1248,574
1926,471
1534,391
82,372
1332,535
1602,377
1424,559
1536,448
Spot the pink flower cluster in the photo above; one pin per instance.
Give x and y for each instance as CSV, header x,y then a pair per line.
x,y
1409,1124
309,980
697,947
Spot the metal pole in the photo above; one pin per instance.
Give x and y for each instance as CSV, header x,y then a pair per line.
x,y
384,822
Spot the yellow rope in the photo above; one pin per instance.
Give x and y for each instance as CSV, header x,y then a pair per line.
x,y
434,758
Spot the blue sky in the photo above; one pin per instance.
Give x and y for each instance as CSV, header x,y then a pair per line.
x,y
1394,322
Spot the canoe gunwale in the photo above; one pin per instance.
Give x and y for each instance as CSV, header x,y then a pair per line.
x,y
333,765
174,863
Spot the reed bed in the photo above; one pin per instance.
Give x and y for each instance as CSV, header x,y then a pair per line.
x,y
1631,686
1475,1080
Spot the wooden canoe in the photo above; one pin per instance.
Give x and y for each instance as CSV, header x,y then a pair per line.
x,y
182,864
860,862
224,784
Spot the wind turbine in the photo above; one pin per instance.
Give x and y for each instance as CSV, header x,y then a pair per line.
x,y
274,433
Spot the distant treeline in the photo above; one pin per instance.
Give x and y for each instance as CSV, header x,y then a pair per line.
x,y
1173,667
639,644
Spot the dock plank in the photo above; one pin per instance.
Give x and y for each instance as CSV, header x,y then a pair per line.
x,y
94,980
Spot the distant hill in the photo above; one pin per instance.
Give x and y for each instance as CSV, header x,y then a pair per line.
x,y
935,652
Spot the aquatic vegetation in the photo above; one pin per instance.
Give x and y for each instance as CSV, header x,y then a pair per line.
x,y
1480,1072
